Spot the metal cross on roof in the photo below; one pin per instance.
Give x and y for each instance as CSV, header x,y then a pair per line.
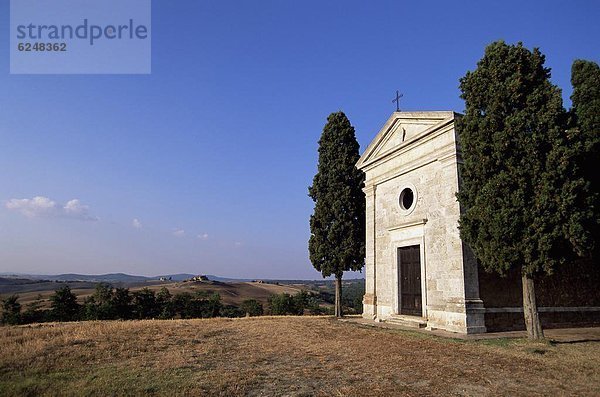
x,y
397,100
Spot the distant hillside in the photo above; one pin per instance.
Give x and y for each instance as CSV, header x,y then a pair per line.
x,y
135,279
22,285
33,284
109,278
232,293
228,279
17,281
113,277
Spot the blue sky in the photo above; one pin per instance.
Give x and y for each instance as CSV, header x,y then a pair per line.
x,y
213,152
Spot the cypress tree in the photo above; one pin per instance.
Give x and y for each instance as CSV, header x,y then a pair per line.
x,y
585,78
337,225
521,191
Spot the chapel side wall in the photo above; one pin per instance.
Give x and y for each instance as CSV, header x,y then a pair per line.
x,y
568,298
474,305
573,285
446,257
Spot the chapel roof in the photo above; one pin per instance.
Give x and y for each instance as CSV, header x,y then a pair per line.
x,y
402,129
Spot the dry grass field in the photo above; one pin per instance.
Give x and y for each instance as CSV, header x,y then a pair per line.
x,y
276,356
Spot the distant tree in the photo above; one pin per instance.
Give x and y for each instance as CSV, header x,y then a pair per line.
x,y
337,226
252,307
103,295
315,309
90,309
121,303
286,304
353,295
214,306
199,305
64,305
144,304
585,78
301,301
182,304
327,297
232,311
520,193
99,306
11,310
164,301
282,304
203,306
33,312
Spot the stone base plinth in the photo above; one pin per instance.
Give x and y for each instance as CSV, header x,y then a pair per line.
x,y
369,306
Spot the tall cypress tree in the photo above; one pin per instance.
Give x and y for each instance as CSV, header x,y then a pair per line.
x,y
337,226
522,193
585,78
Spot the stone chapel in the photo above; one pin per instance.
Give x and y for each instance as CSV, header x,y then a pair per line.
x,y
418,271
417,268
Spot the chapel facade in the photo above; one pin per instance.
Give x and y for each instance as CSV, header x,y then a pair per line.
x,y
418,271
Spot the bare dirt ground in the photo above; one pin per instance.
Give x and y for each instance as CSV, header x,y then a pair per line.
x,y
282,356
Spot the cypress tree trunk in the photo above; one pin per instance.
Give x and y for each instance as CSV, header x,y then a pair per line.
x,y
530,311
338,296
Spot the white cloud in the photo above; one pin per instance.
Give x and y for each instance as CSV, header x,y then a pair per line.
x,y
136,223
43,207
238,244
75,209
203,236
178,232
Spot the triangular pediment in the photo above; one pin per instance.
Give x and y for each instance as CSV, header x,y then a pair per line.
x,y
401,129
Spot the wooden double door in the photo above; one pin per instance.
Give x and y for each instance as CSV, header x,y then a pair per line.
x,y
409,266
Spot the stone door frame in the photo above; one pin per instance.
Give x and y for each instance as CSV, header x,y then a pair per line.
x,y
420,241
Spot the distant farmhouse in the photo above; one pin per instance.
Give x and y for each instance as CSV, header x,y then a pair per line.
x,y
198,278
418,270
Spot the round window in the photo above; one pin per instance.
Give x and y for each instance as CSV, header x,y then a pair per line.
x,y
407,201
407,198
